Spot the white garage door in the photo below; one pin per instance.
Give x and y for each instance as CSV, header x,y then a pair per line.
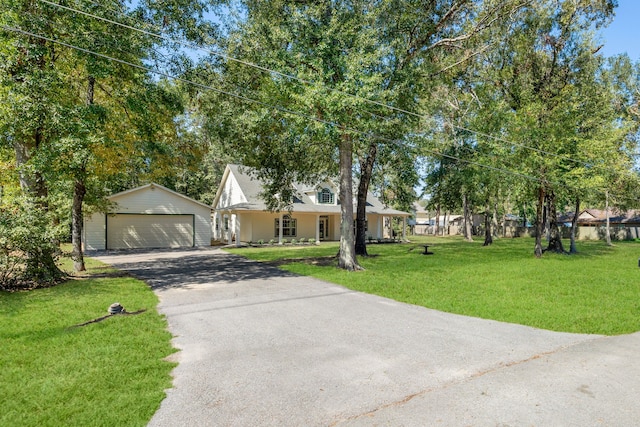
x,y
149,231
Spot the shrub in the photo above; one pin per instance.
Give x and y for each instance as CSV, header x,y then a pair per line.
x,y
302,240
294,241
28,249
272,242
261,242
285,241
312,241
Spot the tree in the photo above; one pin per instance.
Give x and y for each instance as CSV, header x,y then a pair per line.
x,y
72,113
542,63
322,52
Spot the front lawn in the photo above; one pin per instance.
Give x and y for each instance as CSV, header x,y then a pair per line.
x,y
111,372
596,291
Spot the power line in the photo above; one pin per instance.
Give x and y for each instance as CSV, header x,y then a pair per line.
x,y
308,82
263,104
233,59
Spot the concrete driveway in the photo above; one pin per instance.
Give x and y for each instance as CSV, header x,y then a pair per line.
x,y
261,347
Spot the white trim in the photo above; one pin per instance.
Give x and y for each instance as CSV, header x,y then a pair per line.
x,y
153,186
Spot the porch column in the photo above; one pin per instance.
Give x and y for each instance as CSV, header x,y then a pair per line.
x,y
317,229
237,230
379,231
280,229
404,227
219,227
214,221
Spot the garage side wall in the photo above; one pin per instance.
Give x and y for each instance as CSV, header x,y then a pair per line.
x,y
94,232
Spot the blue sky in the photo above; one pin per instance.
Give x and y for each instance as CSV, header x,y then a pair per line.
x,y
623,35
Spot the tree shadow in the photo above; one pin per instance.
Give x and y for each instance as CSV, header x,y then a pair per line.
x,y
166,272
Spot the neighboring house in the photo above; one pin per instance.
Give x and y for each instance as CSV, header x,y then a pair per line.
x,y
242,216
591,223
151,216
420,218
597,218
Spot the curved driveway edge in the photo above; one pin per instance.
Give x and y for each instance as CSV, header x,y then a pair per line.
x,y
262,347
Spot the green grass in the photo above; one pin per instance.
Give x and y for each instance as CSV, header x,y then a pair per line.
x,y
110,373
596,291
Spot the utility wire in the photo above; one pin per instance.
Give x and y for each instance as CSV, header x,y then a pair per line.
x,y
396,142
307,82
233,59
263,104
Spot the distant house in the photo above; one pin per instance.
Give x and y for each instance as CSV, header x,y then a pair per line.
x,y
596,217
241,215
591,223
150,216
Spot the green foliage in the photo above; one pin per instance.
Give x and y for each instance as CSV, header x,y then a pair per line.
x,y
28,249
595,291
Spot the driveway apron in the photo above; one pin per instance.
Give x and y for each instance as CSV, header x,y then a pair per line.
x,y
263,347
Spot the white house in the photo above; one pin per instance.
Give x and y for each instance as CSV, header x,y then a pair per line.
x,y
242,216
151,216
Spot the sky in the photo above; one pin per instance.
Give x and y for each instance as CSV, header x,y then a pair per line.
x,y
623,34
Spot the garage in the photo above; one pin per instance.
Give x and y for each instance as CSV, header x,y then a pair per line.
x,y
149,231
151,216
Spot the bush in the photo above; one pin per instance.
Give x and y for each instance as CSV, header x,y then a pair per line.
x,y
28,248
261,242
272,242
312,241
302,240
294,241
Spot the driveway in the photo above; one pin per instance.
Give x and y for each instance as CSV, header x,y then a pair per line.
x,y
262,347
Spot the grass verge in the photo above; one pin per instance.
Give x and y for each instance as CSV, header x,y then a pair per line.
x,y
596,291
111,372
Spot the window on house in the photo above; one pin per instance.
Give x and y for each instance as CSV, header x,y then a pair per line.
x,y
325,196
366,225
226,223
289,226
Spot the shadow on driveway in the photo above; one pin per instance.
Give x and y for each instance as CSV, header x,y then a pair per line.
x,y
175,268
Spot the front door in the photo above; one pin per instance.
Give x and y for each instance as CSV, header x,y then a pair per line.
x,y
324,227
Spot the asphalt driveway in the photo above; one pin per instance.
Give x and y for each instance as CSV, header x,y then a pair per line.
x,y
262,347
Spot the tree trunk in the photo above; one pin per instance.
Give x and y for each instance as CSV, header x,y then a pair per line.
x,y
436,227
555,236
366,170
447,216
539,221
494,221
79,191
608,226
574,228
347,255
467,219
546,217
488,225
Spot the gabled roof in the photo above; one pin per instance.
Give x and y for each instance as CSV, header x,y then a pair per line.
x,y
597,216
152,186
251,188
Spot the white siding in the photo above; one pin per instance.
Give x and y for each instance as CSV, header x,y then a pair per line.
x,y
231,193
94,232
150,200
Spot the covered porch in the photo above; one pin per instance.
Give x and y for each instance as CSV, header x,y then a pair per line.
x,y
238,225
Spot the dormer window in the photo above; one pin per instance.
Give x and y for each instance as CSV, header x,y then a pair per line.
x,y
326,197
